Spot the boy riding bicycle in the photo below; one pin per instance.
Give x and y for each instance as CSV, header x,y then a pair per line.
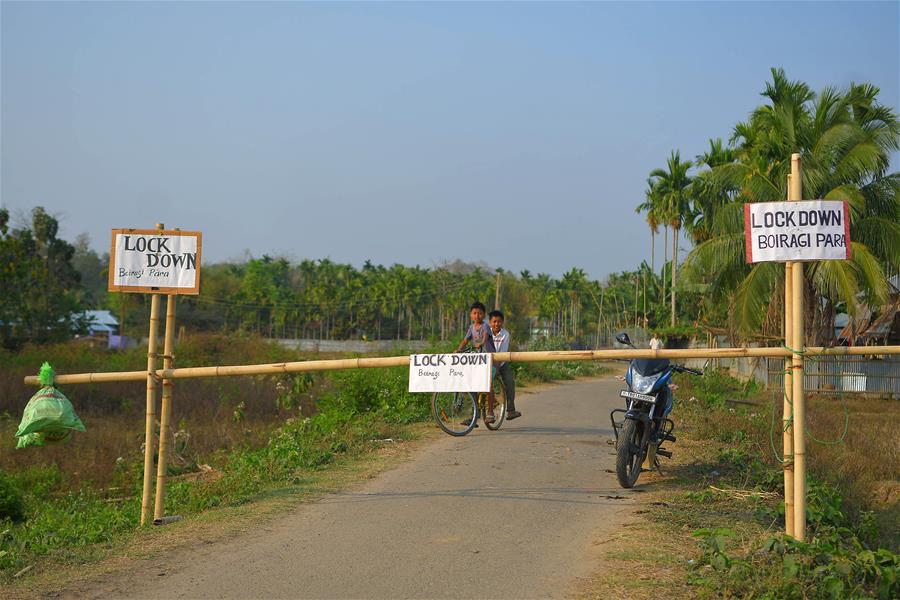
x,y
482,339
504,370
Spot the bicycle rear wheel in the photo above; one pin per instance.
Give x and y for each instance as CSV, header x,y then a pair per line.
x,y
499,411
454,412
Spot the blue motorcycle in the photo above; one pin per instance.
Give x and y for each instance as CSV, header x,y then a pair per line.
x,y
645,425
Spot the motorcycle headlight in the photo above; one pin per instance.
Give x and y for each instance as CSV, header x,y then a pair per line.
x,y
642,384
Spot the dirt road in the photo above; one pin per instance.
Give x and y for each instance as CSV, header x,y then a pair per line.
x,y
516,513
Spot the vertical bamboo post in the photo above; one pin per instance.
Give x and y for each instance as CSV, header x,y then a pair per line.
x,y
165,410
787,408
151,408
798,344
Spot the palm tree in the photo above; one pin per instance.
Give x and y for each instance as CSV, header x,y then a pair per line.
x,y
845,139
650,205
707,194
574,282
673,184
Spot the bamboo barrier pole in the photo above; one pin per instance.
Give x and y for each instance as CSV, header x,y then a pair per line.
x,y
151,375
403,361
165,410
787,413
798,342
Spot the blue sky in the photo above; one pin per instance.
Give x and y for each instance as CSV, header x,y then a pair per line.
x,y
517,134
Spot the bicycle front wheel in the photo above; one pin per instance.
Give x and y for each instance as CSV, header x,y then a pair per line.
x,y
454,412
499,410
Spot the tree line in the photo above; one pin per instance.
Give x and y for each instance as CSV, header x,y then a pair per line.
x,y
320,299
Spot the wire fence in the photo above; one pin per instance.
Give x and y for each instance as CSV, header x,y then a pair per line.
x,y
875,375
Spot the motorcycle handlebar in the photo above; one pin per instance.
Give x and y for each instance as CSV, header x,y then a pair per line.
x,y
687,370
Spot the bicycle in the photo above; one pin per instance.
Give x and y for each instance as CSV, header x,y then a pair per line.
x,y
457,413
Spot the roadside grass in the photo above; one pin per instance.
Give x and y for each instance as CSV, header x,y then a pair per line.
x,y
711,523
236,440
208,415
359,409
537,372
84,567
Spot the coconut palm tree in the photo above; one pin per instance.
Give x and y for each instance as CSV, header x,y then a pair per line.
x,y
708,195
845,138
651,206
673,184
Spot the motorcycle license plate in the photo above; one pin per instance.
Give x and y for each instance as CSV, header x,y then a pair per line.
x,y
636,396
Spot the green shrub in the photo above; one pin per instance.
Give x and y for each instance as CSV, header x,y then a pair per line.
x,y
12,505
829,566
381,391
836,562
715,387
552,371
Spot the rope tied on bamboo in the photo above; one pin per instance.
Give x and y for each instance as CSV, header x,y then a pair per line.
x,y
788,423
800,352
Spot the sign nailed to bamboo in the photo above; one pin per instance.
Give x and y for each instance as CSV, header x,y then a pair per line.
x,y
155,260
467,372
797,231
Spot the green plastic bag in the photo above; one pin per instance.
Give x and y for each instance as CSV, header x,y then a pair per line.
x,y
48,417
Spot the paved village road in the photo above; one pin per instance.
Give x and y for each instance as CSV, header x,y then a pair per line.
x,y
507,514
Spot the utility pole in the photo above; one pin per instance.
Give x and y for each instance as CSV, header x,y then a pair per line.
x,y
636,289
497,292
644,276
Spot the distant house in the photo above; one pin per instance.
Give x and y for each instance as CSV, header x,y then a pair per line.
x,y
840,321
874,325
103,330
101,323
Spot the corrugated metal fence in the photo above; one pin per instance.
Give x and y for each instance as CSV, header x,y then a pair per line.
x,y
843,374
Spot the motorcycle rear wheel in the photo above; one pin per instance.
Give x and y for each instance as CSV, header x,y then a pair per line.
x,y
629,454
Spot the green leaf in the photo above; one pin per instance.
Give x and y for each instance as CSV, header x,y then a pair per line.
x,y
770,544
789,566
719,562
833,586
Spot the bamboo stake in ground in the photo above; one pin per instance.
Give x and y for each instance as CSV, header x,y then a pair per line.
x,y
146,506
799,402
165,411
787,413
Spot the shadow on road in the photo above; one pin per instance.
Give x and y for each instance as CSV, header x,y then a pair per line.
x,y
557,431
534,494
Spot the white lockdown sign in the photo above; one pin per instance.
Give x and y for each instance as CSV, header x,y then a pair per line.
x,y
155,261
797,231
469,372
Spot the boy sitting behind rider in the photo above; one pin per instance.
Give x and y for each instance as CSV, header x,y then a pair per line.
x,y
504,370
479,334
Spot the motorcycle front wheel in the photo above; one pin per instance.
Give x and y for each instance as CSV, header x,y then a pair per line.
x,y
629,454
